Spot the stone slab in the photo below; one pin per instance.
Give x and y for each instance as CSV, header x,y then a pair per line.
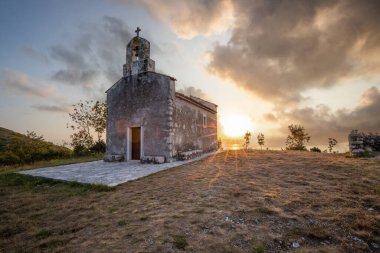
x,y
100,172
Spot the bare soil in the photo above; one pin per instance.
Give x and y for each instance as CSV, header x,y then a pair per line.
x,y
236,201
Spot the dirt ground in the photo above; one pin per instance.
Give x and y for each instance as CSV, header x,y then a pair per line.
x,y
236,201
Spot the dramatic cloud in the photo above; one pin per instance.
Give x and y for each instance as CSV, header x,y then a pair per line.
x,y
98,51
191,18
52,108
18,82
280,48
322,122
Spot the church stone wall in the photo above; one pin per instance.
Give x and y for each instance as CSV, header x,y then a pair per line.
x,y
140,100
188,130
360,142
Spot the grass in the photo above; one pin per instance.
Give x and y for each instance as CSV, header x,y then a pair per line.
x,y
272,199
179,241
38,184
51,163
43,234
258,248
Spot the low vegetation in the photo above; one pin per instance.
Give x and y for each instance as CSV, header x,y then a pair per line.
x,y
235,201
19,149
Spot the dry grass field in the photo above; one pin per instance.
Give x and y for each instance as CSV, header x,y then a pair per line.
x,y
260,201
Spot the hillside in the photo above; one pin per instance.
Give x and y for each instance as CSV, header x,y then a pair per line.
x,y
6,136
16,148
236,201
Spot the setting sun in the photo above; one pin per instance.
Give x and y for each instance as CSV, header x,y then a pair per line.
x,y
236,125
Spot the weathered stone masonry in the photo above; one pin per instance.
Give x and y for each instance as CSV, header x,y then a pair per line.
x,y
170,122
360,142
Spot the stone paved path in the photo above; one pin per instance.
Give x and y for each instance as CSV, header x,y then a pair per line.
x,y
100,172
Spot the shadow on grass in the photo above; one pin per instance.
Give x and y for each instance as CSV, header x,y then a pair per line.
x,y
26,182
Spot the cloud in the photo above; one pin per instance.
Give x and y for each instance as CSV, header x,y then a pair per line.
x,y
322,122
97,52
21,83
280,48
191,18
33,53
75,76
192,91
52,108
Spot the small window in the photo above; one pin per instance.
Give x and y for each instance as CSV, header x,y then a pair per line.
x,y
204,121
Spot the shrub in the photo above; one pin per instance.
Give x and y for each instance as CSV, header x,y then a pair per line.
x,y
81,150
9,158
315,149
98,147
180,242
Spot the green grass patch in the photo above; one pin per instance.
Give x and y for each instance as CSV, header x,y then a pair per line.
x,y
179,241
31,183
43,234
258,248
264,210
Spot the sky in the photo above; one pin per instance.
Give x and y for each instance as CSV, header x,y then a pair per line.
x,y
267,64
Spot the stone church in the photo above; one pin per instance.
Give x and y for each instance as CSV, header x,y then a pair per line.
x,y
148,120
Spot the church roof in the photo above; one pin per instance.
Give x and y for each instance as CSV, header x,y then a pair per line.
x,y
197,102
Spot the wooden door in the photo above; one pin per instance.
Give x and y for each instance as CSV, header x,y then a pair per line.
x,y
136,143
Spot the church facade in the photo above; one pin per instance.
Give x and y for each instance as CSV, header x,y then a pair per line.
x,y
148,120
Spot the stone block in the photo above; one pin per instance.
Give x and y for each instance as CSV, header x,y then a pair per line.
x,y
113,158
159,159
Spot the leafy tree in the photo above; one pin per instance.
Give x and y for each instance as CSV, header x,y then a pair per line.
x,y
247,138
332,143
315,149
88,117
99,116
260,140
297,138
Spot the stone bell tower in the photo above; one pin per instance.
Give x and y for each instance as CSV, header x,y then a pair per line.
x,y
138,56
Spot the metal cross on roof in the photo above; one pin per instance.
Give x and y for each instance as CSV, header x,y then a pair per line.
x,y
138,31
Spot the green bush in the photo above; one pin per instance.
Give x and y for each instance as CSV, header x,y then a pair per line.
x,y
315,149
9,158
98,147
81,150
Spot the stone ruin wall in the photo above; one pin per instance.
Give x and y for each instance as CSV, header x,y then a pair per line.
x,y
360,142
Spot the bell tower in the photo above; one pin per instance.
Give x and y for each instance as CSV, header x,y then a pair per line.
x,y
138,56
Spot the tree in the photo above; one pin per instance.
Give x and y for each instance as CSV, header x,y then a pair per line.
x,y
332,143
297,138
247,138
99,116
88,117
260,140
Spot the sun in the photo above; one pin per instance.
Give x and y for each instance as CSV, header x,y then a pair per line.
x,y
236,125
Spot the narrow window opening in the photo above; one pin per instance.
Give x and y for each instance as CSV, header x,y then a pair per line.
x,y
204,121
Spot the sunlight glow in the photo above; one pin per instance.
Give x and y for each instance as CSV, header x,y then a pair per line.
x,y
236,125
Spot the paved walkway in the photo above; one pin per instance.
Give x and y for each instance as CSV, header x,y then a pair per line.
x,y
100,172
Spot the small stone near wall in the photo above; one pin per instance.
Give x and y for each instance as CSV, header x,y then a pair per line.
x,y
152,159
189,154
113,158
